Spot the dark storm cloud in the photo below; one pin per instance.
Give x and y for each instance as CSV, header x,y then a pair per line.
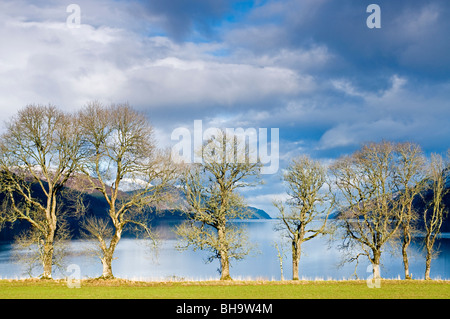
x,y
413,37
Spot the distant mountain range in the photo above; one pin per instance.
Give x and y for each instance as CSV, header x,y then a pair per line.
x,y
96,205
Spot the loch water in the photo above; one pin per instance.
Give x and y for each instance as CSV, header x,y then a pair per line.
x,y
321,259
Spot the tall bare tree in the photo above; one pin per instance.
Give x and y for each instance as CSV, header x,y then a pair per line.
x,y
435,211
211,190
120,147
410,176
39,152
370,214
309,205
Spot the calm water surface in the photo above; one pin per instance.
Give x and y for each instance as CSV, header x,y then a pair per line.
x,y
320,260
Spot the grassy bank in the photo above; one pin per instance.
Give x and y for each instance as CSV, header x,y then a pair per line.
x,y
125,289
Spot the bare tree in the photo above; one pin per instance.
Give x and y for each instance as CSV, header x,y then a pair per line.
x,y
310,203
213,200
435,211
370,214
120,148
410,177
39,152
280,255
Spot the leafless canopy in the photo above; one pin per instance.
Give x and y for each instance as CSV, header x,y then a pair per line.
x,y
369,185
39,152
308,207
435,211
119,147
211,191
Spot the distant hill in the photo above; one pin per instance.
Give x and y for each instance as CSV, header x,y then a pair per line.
x,y
96,205
421,202
257,213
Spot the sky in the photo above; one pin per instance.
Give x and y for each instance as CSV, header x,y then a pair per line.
x,y
313,69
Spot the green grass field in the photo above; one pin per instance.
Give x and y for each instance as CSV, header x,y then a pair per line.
x,y
124,289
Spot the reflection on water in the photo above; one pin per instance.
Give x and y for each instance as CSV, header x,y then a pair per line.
x,y
135,260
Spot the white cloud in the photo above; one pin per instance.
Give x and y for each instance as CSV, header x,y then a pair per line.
x,y
47,62
346,86
175,81
418,22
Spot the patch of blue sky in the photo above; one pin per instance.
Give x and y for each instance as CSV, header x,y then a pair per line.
x,y
215,27
241,9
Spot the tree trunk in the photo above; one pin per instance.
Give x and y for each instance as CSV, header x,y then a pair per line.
x,y
225,267
50,216
47,260
296,252
295,262
428,259
427,267
280,258
376,264
223,251
405,245
108,255
376,271
107,266
429,247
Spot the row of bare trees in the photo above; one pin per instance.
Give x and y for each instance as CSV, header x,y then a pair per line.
x,y
376,190
381,193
